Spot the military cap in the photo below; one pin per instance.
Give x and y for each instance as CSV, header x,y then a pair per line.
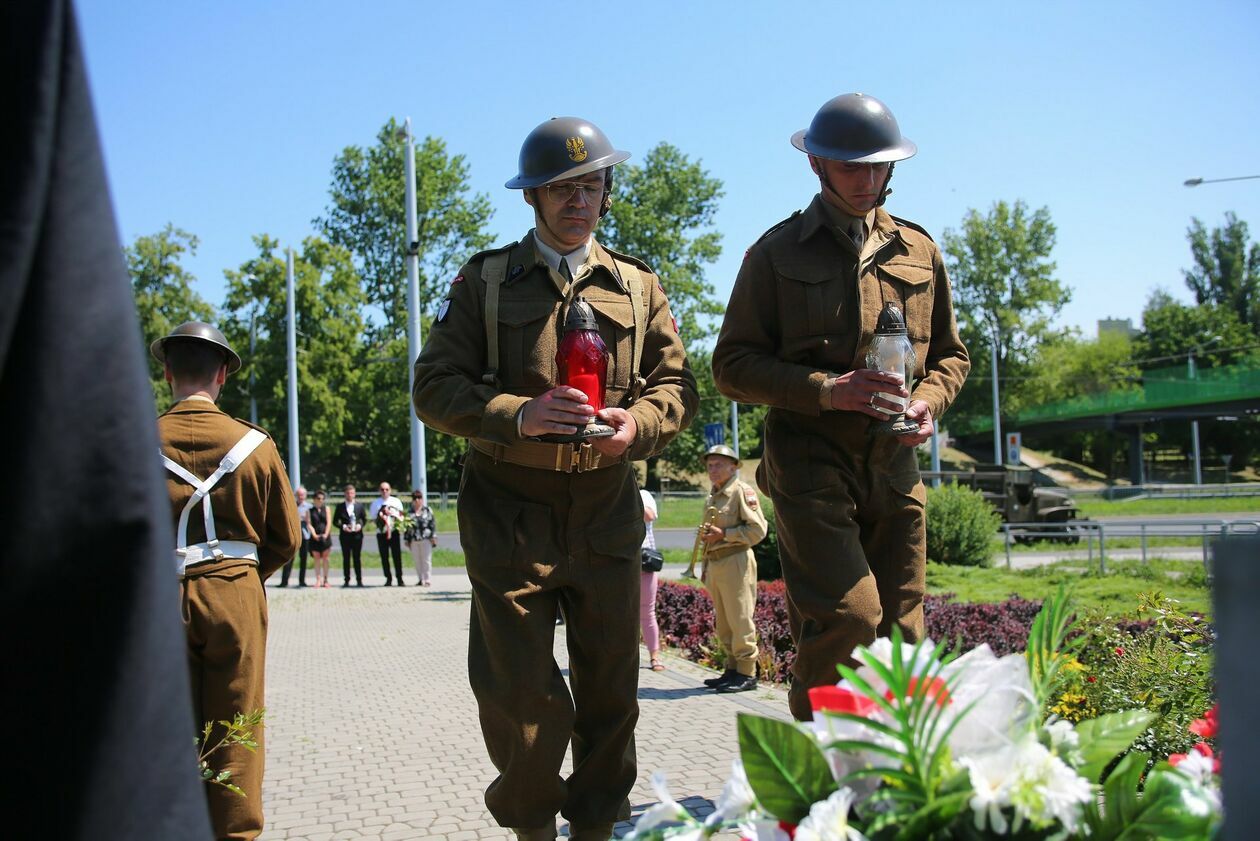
x,y
197,331
721,450
563,147
856,128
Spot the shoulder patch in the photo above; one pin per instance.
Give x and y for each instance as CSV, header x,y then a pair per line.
x,y
750,496
776,226
906,223
443,309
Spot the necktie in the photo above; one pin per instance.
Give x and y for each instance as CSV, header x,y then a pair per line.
x,y
565,271
857,234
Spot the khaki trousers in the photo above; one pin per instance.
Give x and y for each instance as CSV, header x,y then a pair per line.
x,y
851,542
225,620
732,585
537,542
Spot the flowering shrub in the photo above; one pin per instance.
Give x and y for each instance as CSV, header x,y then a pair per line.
x,y
919,744
1003,626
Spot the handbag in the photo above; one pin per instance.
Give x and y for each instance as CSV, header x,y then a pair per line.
x,y
653,560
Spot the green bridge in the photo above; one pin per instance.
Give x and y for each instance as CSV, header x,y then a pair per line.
x,y
1162,394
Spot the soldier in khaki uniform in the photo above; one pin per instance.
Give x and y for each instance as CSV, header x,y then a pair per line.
x,y
224,551
730,570
549,526
849,506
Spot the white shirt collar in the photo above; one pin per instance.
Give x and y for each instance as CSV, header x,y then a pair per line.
x,y
575,258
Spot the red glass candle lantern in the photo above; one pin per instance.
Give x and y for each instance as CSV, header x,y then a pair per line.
x,y
582,363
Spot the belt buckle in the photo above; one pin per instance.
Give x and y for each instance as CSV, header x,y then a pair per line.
x,y
575,459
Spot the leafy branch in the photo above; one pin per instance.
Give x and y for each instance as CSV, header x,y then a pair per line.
x,y
239,732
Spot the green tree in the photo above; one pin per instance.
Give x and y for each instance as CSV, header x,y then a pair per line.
x,y
164,294
662,213
366,215
1226,271
328,307
1004,285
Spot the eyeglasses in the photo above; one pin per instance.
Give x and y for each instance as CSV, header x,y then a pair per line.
x,y
565,191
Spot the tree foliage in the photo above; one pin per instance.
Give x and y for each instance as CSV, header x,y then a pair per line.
x,y
1226,271
328,307
366,216
164,294
662,213
1004,285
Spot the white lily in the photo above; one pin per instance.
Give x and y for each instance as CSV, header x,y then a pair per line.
x,y
668,810
828,820
737,798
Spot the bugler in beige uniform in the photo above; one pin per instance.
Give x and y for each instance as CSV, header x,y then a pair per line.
x,y
549,526
730,572
253,512
802,313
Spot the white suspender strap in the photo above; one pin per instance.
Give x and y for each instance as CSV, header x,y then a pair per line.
x,y
236,456
634,280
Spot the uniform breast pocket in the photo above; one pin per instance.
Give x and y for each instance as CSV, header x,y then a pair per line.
x,y
911,283
809,301
527,344
616,326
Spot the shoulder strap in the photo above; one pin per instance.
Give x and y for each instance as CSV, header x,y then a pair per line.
x,y
634,281
236,456
493,270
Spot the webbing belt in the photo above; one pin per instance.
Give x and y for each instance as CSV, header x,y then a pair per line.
x,y
185,554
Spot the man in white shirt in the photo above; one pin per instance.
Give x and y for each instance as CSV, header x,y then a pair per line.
x,y
302,507
387,511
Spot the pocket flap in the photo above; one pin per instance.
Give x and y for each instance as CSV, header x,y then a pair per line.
x,y
520,313
619,312
807,272
908,272
621,540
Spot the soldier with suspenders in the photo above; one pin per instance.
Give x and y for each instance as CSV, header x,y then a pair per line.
x,y
236,524
549,526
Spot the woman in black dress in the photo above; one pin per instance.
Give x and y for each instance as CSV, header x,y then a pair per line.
x,y
318,523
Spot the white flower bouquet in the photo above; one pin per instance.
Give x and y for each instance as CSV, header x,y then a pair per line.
x,y
918,744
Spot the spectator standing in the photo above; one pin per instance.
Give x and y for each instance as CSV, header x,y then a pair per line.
x,y
387,511
319,524
350,516
420,537
302,507
647,590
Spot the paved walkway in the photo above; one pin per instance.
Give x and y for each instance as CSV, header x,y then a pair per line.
x,y
372,730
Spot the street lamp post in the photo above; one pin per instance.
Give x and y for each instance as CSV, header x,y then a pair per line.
x,y
1193,373
414,339
295,466
997,414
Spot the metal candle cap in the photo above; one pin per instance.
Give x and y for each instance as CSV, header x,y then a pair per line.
x,y
891,322
580,316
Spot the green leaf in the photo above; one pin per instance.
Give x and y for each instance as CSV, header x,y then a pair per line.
x,y
1104,737
786,769
1161,812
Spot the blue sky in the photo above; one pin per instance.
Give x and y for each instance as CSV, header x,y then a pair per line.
x,y
224,118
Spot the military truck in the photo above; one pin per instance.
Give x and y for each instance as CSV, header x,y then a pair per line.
x,y
1013,491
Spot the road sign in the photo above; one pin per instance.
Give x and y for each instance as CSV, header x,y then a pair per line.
x,y
1013,443
714,434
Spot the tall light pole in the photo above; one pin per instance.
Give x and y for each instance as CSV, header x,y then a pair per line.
x,y
418,466
1193,373
735,427
295,466
997,413
253,334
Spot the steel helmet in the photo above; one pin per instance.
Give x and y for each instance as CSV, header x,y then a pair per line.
x,y
197,331
720,450
856,128
563,147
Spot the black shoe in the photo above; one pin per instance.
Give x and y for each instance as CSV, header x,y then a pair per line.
x,y
739,683
284,584
725,677
358,583
347,584
389,583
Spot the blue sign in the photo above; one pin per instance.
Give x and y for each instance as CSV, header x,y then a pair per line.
x,y
714,434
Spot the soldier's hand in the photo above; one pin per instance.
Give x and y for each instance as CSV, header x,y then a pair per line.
x,y
920,412
561,410
855,391
713,534
626,429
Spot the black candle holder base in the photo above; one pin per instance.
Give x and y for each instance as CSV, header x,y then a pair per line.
x,y
896,426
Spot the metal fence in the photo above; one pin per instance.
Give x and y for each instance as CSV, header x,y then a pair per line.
x,y
1095,534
